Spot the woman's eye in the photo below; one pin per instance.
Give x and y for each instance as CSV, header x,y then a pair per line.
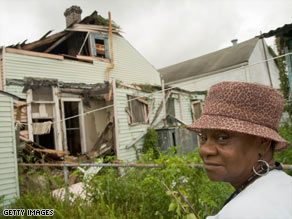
x,y
223,138
203,138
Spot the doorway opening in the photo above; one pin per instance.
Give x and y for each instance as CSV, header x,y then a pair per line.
x,y
72,127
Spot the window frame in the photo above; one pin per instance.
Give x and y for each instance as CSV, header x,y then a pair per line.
x,y
96,36
130,110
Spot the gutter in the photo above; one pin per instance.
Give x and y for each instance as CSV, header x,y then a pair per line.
x,y
112,65
207,74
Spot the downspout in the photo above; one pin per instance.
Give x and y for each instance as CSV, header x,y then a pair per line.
x,y
111,66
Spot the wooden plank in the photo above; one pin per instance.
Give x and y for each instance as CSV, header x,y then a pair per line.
x,y
45,41
58,42
92,58
150,110
160,107
116,129
31,53
29,113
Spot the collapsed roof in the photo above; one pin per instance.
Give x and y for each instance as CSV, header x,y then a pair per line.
x,y
77,32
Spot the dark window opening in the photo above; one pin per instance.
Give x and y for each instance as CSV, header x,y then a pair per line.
x,y
138,110
197,110
170,110
46,140
72,127
42,94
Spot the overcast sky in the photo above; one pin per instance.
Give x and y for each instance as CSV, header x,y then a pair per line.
x,y
165,32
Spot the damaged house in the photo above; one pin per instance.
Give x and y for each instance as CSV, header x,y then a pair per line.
x,y
80,90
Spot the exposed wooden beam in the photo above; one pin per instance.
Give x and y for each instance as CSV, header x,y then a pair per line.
x,y
44,36
45,41
58,42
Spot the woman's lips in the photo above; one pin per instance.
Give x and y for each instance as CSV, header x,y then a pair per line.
x,y
211,166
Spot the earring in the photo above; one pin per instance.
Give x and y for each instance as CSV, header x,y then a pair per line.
x,y
264,169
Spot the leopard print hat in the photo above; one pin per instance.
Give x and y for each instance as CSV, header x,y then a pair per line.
x,y
243,107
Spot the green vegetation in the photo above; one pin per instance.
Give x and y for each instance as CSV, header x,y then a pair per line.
x,y
151,142
138,192
285,156
284,82
176,191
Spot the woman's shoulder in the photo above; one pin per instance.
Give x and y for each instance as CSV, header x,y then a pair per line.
x,y
264,198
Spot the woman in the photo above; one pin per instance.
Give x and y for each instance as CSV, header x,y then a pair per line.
x,y
239,131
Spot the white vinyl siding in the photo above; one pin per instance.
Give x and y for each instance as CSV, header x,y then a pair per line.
x,y
8,159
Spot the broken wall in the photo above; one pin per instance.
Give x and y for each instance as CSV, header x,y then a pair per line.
x,y
128,132
96,122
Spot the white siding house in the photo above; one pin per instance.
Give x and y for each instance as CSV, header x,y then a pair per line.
x,y
71,73
9,188
241,62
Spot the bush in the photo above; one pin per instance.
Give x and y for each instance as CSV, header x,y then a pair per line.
x,y
285,157
140,192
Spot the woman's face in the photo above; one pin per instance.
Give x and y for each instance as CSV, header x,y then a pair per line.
x,y
229,156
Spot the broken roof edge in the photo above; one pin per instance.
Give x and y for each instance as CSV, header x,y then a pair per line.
x,y
54,37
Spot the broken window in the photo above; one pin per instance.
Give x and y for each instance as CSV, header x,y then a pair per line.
x,y
137,110
99,45
170,110
42,94
196,109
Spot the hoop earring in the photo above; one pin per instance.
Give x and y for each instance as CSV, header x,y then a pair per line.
x,y
265,169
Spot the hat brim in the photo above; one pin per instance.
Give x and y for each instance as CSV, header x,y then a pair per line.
x,y
231,124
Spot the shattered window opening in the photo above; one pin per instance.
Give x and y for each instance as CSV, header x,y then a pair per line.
x,y
99,45
170,110
197,109
42,94
138,110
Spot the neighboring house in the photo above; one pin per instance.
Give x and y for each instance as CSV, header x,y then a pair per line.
x,y
9,187
241,62
73,72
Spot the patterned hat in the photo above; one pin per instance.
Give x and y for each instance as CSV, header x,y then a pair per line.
x,y
243,107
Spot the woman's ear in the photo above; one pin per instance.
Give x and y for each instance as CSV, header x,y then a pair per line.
x,y
265,146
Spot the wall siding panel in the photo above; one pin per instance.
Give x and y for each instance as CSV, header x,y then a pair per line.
x,y
8,163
